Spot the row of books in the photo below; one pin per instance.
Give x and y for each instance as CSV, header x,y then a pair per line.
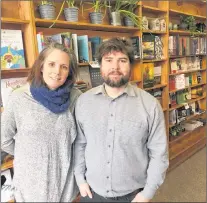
x,y
184,80
85,47
183,96
176,116
184,46
185,64
148,47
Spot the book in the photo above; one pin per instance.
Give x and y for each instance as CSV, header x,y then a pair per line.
x,y
194,79
84,75
148,46
12,49
95,42
63,38
136,46
75,45
40,41
158,48
157,75
148,75
83,48
9,85
180,81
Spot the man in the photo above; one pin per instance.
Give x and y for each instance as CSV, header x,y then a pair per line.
x,y
121,151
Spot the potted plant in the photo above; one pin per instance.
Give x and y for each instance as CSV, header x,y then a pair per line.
x,y
188,22
47,9
123,8
71,12
96,16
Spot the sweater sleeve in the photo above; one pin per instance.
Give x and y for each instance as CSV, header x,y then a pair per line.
x,y
8,127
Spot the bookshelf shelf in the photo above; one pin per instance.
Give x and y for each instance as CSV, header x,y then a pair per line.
x,y
185,72
13,21
193,55
82,26
154,32
191,86
188,139
83,64
182,32
135,81
153,60
187,119
188,102
153,9
182,135
155,87
177,12
22,72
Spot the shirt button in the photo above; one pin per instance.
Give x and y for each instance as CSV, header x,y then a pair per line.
x,y
109,146
111,115
107,177
108,162
107,191
110,130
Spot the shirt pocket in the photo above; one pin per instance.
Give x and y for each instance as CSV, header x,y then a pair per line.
x,y
133,133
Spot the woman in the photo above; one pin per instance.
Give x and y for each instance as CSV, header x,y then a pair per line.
x,y
40,116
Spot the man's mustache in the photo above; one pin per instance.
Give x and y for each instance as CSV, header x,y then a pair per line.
x,y
115,72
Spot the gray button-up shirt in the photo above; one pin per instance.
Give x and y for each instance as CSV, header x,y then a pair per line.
x,y
121,144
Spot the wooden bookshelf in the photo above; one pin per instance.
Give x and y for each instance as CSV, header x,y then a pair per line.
x,y
83,26
154,32
27,19
191,86
187,102
155,87
189,139
185,72
173,57
153,9
194,116
182,32
15,73
14,21
177,12
153,60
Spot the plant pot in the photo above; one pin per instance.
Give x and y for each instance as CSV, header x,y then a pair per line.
x,y
183,26
128,22
115,18
96,17
47,11
71,14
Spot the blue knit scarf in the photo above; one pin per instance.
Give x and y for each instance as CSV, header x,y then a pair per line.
x,y
57,100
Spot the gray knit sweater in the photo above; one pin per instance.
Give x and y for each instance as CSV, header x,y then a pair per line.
x,y
43,164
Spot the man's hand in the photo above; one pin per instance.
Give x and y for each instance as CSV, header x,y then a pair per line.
x,y
140,198
85,190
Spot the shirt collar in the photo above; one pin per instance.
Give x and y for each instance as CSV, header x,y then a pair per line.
x,y
129,90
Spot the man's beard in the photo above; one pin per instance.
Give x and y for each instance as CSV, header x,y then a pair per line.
x,y
118,83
